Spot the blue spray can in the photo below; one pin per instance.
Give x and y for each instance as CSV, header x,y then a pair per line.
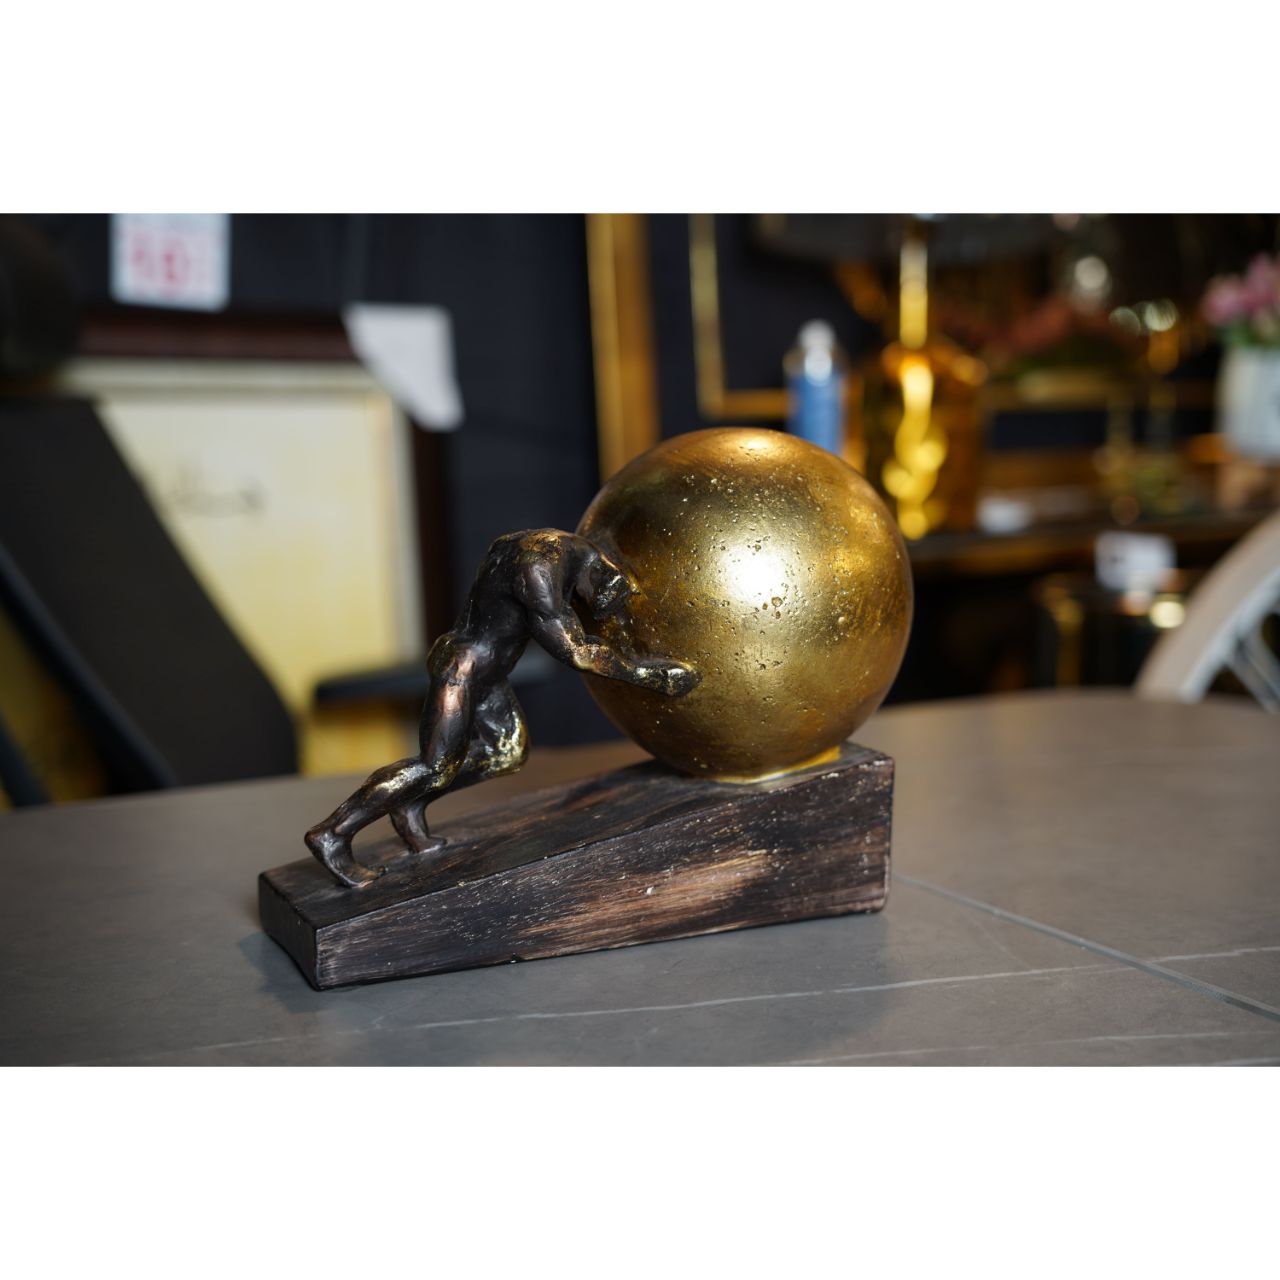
x,y
816,369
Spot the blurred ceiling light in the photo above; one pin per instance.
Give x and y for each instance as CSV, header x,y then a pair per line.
x,y
1066,221
1126,318
1159,316
1167,613
1090,279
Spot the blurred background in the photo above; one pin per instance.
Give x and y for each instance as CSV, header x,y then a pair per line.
x,y
249,463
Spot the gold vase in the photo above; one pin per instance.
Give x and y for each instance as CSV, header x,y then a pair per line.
x,y
920,415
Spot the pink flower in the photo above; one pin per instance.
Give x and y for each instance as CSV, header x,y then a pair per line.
x,y
1262,285
1225,301
1252,299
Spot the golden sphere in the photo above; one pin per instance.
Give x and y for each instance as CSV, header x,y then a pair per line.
x,y
773,568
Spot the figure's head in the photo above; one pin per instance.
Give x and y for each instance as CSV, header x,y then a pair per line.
x,y
603,587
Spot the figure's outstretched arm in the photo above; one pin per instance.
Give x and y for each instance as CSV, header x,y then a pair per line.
x,y
563,637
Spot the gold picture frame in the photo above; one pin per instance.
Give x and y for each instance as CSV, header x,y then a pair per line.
x,y
623,345
622,337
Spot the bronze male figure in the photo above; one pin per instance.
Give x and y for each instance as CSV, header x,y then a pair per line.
x,y
472,727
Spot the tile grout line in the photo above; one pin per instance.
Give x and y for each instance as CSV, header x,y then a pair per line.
x,y
1246,1003
544,1015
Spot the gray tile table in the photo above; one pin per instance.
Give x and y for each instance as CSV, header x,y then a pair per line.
x,y
1078,878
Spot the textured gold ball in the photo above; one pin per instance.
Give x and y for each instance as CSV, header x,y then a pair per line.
x,y
773,568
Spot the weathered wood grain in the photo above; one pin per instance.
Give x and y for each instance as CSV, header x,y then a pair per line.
x,y
637,855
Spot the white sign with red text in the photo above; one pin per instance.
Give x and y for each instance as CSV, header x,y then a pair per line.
x,y
171,260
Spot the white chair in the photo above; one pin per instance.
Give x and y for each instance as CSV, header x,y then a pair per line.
x,y
1223,627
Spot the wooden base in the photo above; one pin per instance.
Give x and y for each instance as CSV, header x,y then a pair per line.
x,y
638,855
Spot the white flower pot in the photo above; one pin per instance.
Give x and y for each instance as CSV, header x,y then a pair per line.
x,y
1249,402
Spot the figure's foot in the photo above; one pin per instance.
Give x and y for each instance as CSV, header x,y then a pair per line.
x,y
413,831
431,844
334,853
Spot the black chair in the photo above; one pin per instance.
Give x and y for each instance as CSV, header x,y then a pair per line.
x,y
91,580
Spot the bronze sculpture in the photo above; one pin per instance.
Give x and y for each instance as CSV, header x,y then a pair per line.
x,y
472,727
776,577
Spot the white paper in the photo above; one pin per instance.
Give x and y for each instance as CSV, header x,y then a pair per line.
x,y
409,350
180,260
1133,561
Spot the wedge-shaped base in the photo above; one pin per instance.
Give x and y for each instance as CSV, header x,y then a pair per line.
x,y
638,855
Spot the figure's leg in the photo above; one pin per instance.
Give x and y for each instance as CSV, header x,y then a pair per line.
x,y
402,789
444,734
387,789
410,823
501,742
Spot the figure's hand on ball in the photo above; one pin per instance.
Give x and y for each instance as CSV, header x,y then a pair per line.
x,y
675,679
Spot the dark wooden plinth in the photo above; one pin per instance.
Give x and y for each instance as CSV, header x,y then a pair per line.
x,y
637,855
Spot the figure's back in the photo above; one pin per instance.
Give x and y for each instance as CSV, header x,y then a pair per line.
x,y
522,570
